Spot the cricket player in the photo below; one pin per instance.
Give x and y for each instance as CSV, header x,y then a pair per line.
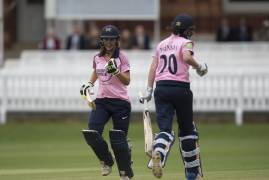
x,y
111,67
169,69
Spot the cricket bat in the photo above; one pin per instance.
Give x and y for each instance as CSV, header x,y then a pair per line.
x,y
148,135
90,101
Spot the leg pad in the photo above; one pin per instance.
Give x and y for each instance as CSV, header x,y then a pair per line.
x,y
163,143
190,152
98,145
121,151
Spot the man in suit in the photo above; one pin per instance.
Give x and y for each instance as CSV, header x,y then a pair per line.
x,y
76,40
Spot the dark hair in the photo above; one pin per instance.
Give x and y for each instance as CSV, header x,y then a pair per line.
x,y
116,53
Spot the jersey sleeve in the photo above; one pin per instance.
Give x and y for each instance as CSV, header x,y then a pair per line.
x,y
125,65
188,46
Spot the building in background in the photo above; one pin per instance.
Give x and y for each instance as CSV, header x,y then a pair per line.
x,y
25,21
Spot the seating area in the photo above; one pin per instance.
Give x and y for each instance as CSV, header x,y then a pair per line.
x,y
238,79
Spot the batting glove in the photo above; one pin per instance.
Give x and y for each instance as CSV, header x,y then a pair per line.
x,y
147,95
111,67
202,69
86,87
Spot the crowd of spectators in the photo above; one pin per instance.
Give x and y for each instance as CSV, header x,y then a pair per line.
x,y
82,39
241,32
78,40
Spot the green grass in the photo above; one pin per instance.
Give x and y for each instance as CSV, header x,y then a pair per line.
x,y
57,151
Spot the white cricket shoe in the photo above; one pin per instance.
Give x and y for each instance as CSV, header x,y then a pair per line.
x,y
157,164
105,169
124,178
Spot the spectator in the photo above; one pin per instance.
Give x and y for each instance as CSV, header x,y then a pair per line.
x,y
263,34
141,39
224,31
243,32
50,41
92,39
76,40
126,39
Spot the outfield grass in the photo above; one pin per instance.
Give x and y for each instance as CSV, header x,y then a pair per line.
x,y
57,151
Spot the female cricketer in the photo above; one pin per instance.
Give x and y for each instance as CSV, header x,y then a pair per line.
x,y
111,67
169,69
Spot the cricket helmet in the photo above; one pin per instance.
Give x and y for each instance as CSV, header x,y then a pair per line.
x,y
181,23
110,31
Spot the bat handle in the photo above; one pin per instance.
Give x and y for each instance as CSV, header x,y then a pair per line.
x,y
146,105
143,101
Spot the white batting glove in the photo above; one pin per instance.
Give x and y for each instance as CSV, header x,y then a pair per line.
x,y
202,69
147,95
86,87
111,67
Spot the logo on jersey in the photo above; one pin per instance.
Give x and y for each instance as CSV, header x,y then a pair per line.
x,y
178,23
189,46
102,73
108,29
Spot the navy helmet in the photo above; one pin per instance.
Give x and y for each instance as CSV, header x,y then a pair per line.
x,y
181,23
110,31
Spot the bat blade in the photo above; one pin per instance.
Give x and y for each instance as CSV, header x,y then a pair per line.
x,y
148,134
90,101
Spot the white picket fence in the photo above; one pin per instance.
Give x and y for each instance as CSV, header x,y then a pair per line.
x,y
238,80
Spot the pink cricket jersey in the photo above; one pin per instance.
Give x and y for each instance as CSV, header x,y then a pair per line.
x,y
169,54
110,86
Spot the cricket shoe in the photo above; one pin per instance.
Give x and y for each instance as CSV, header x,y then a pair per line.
x,y
105,169
157,164
124,178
